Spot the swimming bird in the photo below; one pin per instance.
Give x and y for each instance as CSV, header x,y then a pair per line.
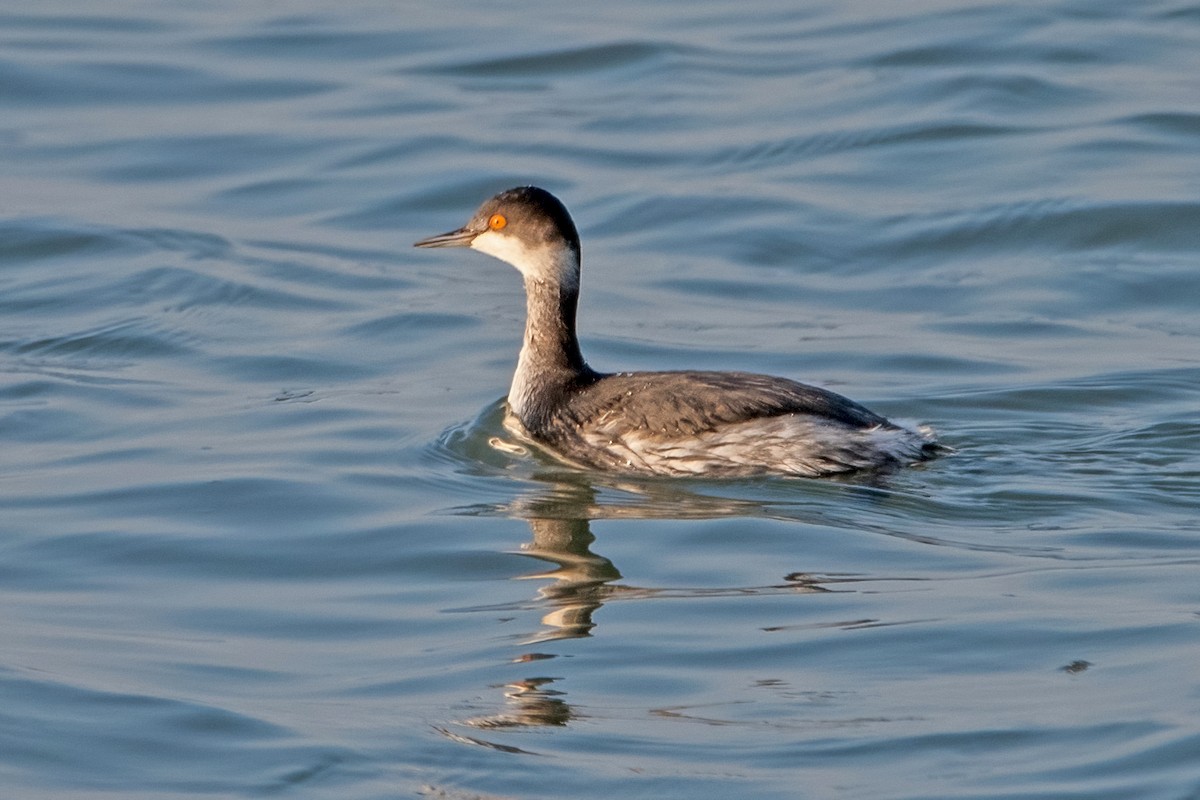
x,y
712,424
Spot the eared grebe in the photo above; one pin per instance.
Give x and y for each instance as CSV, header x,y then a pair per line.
x,y
725,424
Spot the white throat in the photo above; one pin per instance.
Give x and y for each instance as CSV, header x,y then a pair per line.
x,y
542,264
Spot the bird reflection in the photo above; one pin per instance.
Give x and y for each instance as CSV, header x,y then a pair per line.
x,y
579,582
578,585
579,578
530,702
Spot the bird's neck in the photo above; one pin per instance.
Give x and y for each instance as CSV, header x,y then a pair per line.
x,y
550,359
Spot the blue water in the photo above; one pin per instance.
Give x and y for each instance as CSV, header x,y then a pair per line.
x,y
259,534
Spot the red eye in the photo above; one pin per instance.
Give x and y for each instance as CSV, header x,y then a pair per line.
x,y
497,222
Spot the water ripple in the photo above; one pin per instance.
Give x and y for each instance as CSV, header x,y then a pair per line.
x,y
1049,225
574,61
264,530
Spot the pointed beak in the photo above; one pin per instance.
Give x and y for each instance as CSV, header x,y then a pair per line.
x,y
459,238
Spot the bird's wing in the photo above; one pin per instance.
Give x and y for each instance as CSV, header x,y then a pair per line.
x,y
688,403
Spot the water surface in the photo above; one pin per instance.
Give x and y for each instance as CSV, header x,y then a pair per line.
x,y
257,539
